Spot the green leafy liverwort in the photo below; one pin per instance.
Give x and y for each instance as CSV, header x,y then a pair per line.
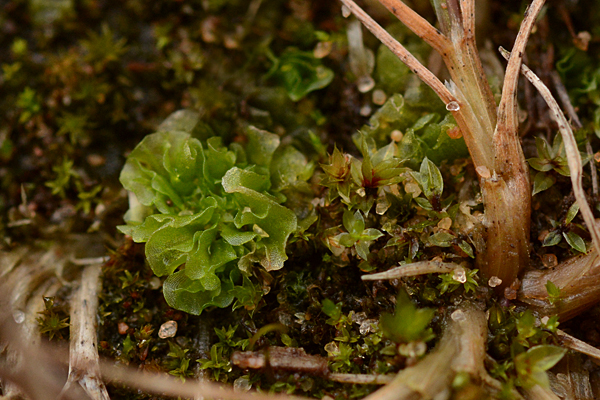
x,y
208,212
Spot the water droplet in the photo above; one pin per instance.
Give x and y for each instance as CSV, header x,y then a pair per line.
x,y
365,83
396,135
366,110
458,316
242,384
332,348
19,316
365,327
346,12
167,330
383,204
155,283
483,172
460,275
494,281
379,97
453,106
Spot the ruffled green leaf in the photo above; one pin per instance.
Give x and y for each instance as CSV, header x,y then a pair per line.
x,y
236,237
185,294
213,208
261,146
289,167
257,208
161,169
168,247
219,160
207,256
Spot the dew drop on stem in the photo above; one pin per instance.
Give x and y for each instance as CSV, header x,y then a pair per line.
x,y
453,106
346,12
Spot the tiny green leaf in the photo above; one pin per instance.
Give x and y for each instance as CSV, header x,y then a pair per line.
x,y
532,364
575,241
441,239
354,223
553,292
408,323
573,210
542,182
552,238
466,247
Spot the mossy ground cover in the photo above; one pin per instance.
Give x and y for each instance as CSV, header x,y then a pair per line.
x,y
373,174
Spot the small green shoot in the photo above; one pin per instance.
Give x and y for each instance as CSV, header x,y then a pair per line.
x,y
218,362
452,281
357,235
563,231
553,293
299,72
51,323
177,362
29,104
531,366
431,182
408,323
64,173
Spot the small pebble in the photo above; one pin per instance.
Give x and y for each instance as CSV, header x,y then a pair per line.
x,y
167,330
122,327
549,260
494,281
483,172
